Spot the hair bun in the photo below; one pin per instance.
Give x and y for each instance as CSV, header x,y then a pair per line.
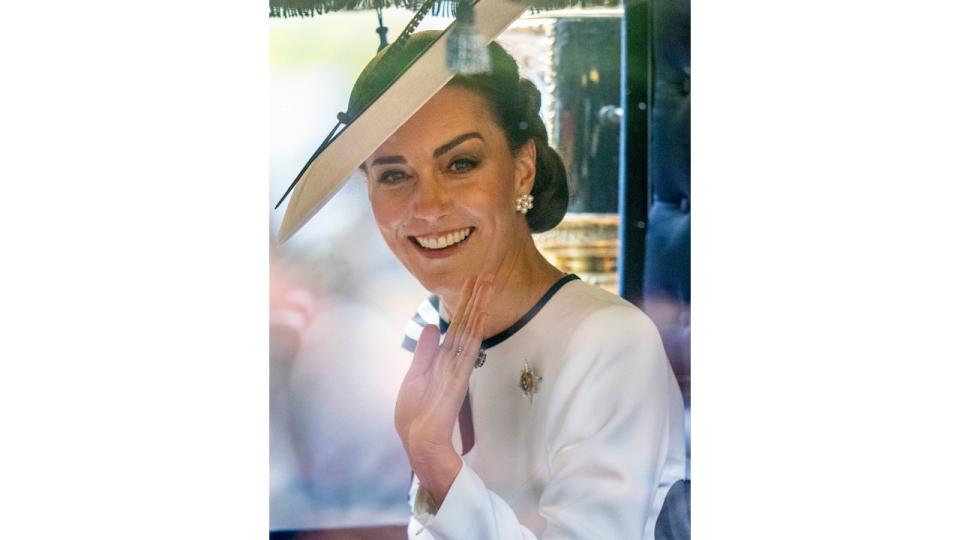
x,y
550,189
532,95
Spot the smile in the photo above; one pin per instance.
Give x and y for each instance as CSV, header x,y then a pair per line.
x,y
443,241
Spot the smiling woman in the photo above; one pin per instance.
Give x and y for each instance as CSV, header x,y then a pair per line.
x,y
535,405
449,172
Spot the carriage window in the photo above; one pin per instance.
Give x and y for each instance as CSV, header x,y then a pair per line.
x,y
338,294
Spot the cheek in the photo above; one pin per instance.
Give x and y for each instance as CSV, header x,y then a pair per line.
x,y
387,210
387,218
501,199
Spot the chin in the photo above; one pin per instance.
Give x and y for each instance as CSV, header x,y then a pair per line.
x,y
440,283
441,276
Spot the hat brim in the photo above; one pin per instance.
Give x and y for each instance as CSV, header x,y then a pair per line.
x,y
328,171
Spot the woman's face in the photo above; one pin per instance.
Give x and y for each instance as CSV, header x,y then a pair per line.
x,y
443,190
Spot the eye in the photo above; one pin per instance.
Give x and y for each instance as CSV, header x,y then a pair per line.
x,y
463,165
392,176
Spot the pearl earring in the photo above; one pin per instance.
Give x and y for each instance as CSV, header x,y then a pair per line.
x,y
524,203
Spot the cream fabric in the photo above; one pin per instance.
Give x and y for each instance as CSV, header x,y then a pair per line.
x,y
595,451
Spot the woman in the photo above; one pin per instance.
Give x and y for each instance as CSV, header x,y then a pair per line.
x,y
576,416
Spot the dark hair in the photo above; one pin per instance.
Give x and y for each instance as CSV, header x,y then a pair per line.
x,y
514,102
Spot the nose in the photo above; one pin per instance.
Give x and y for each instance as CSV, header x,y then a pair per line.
x,y
431,200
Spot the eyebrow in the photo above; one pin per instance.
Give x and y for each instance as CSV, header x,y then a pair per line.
x,y
389,160
441,150
444,148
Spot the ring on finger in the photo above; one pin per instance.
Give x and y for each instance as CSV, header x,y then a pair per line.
x,y
459,352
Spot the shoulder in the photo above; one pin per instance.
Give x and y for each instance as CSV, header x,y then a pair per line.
x,y
611,339
601,320
614,375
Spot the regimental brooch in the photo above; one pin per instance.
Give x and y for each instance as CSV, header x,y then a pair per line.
x,y
529,381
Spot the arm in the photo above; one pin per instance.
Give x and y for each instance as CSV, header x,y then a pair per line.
x,y
615,444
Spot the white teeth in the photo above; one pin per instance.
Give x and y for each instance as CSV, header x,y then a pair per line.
x,y
441,242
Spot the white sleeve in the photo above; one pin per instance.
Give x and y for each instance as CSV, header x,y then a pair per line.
x,y
615,445
470,511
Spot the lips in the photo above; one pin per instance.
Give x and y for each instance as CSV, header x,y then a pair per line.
x,y
442,241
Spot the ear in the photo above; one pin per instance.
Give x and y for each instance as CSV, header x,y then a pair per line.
x,y
525,168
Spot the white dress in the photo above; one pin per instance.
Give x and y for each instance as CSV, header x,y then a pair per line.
x,y
594,451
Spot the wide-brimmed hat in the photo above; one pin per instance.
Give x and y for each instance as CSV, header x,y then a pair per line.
x,y
408,73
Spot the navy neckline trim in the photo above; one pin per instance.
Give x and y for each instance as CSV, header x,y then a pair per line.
x,y
527,317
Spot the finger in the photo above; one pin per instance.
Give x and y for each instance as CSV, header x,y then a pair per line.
x,y
471,347
470,313
478,304
467,292
471,336
426,350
